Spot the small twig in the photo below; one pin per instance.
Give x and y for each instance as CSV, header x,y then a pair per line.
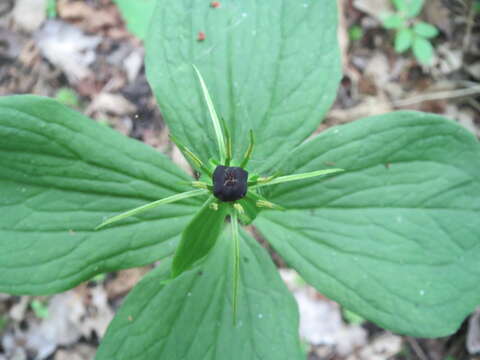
x,y
468,31
475,104
439,95
416,347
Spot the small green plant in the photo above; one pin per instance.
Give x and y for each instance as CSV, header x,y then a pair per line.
x,y
394,238
3,323
39,308
351,317
68,97
409,32
355,33
51,8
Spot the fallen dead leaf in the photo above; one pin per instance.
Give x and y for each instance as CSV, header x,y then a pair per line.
x,y
115,104
17,312
78,352
437,14
381,348
375,8
124,281
321,320
98,313
86,16
29,15
473,333
67,47
368,107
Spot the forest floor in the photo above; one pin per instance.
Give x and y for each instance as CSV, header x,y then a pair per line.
x,y
100,72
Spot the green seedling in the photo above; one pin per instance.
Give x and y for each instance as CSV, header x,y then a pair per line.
x,y
411,33
355,33
39,308
68,97
52,8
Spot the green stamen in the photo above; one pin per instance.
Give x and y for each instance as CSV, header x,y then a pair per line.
x,y
268,205
201,185
197,163
248,153
229,155
261,202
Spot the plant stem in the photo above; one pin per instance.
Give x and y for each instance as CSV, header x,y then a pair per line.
x,y
236,263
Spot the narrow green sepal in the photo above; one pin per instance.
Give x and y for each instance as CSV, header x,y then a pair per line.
x,y
152,205
295,177
222,148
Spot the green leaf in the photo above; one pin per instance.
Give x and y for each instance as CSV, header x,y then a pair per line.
x,y
414,7
403,40
273,67
423,50
393,21
40,309
425,29
190,317
409,8
199,236
351,317
137,14
52,8
400,5
355,33
395,238
61,174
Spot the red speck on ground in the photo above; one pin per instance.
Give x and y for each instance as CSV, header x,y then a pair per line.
x,y
201,36
215,4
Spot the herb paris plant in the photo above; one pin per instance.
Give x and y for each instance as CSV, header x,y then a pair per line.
x,y
394,238
227,184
